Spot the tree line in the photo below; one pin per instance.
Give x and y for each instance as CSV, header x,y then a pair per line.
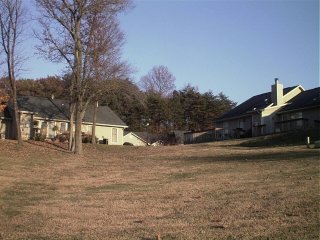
x,y
85,36
145,108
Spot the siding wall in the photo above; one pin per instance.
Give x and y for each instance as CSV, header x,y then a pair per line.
x,y
3,128
130,138
26,125
308,118
105,132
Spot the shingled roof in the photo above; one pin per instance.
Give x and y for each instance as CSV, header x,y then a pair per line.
x,y
57,109
44,107
307,99
104,116
257,102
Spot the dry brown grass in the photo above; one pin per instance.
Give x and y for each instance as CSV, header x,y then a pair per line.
x,y
207,191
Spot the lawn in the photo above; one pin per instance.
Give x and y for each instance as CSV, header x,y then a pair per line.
x,y
206,191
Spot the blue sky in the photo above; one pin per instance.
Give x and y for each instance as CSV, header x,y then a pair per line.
x,y
236,47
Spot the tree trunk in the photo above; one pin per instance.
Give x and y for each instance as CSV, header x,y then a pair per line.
x,y
16,118
71,127
78,87
11,76
95,106
77,135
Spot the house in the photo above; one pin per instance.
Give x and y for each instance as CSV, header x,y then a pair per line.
x,y
50,117
302,112
262,114
135,139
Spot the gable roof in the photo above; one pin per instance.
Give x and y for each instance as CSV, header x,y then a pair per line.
x,y
136,135
257,102
307,99
59,110
104,116
146,136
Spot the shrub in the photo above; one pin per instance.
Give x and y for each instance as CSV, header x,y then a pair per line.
x,y
39,137
62,137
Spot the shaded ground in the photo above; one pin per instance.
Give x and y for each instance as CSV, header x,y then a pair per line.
x,y
205,191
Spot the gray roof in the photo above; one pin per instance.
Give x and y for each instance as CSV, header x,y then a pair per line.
x,y
44,107
257,102
59,110
307,99
104,116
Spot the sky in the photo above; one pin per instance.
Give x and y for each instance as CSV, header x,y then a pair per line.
x,y
236,47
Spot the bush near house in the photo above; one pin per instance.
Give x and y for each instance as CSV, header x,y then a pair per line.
x,y
87,138
39,137
63,137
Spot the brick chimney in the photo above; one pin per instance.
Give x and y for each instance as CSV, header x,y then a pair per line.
x,y
277,93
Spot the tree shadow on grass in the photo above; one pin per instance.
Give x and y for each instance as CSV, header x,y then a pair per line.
x,y
50,145
253,157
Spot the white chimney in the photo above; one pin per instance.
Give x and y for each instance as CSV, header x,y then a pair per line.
x,y
277,93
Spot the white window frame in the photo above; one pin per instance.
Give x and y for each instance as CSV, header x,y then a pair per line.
x,y
114,135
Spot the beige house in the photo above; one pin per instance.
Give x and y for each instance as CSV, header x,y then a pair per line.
x,y
134,138
40,116
259,114
302,112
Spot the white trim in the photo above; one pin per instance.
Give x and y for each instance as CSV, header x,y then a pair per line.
x,y
116,135
50,119
106,125
22,111
299,86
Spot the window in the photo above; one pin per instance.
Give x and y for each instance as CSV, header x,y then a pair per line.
x,y
299,123
114,135
64,127
296,115
43,125
241,123
89,129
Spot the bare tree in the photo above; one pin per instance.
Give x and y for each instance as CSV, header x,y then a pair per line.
x,y
72,31
159,80
11,24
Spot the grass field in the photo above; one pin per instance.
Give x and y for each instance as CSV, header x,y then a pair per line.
x,y
205,191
